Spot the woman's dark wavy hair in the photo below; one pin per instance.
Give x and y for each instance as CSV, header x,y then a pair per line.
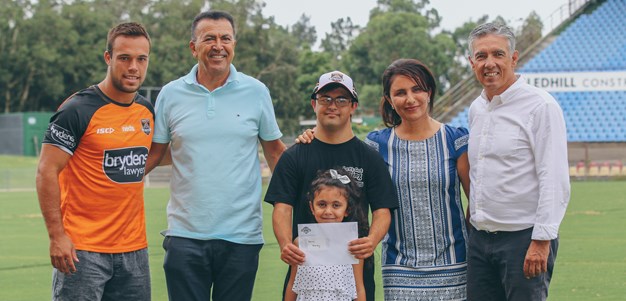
x,y
350,191
410,68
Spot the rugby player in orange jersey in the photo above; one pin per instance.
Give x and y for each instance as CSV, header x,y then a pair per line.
x,y
90,179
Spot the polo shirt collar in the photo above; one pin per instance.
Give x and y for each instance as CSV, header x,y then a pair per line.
x,y
191,78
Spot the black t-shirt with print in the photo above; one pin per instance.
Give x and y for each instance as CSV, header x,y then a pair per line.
x,y
299,165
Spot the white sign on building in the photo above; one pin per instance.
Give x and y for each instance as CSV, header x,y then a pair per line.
x,y
578,81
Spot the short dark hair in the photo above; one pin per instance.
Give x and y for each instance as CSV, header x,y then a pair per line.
x,y
131,29
212,15
350,191
410,68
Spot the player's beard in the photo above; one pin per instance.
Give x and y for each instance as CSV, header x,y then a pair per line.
x,y
119,85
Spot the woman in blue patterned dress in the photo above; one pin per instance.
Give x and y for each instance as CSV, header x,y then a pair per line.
x,y
424,251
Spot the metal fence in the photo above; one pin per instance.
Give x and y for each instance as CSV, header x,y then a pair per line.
x,y
17,179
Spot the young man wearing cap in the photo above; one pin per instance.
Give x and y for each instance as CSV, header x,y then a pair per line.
x,y
334,100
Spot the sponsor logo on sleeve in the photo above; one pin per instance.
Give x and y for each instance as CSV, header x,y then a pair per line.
x,y
145,126
125,165
62,136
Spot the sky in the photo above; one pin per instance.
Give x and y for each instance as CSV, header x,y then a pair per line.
x,y
453,12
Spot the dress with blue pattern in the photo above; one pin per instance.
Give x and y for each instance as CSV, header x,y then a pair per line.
x,y
424,252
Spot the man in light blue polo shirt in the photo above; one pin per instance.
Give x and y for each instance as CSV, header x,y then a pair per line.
x,y
212,119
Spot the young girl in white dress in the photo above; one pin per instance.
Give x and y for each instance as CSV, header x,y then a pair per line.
x,y
333,198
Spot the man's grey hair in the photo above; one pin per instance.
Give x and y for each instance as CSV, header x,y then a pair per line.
x,y
491,28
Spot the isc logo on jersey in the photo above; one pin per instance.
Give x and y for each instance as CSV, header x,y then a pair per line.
x,y
125,165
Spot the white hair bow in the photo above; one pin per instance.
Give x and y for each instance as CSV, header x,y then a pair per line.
x,y
342,178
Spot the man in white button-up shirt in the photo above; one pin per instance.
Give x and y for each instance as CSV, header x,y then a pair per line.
x,y
519,175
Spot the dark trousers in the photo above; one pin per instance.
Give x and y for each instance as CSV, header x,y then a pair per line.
x,y
368,279
495,267
196,269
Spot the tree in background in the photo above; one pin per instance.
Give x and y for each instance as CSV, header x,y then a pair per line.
x,y
369,99
169,24
311,65
50,49
530,32
304,32
399,29
12,50
462,68
270,53
343,32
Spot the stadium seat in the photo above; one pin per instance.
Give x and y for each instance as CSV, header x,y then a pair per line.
x,y
605,169
591,116
573,172
572,136
594,169
616,168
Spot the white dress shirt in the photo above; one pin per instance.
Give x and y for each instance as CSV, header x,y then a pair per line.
x,y
518,162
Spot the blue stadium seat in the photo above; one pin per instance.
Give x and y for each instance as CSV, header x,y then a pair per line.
x,y
591,116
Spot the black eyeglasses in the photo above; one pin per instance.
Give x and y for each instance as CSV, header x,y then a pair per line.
x,y
339,101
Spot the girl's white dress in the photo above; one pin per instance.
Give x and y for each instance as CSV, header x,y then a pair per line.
x,y
325,283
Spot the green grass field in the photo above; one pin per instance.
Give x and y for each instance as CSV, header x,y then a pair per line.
x,y
591,263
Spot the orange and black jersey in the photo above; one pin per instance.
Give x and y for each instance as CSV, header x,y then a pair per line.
x,y
102,184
